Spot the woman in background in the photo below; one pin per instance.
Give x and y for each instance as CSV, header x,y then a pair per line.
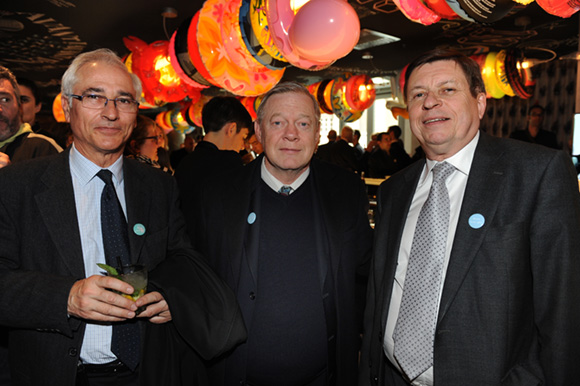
x,y
144,143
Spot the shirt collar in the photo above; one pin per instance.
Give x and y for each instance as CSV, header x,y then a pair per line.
x,y
85,170
461,160
275,184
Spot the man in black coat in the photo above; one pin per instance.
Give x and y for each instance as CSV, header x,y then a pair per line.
x,y
291,236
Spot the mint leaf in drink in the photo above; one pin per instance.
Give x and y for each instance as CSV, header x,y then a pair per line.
x,y
110,270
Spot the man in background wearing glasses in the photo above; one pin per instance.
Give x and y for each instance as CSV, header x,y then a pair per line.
x,y
60,308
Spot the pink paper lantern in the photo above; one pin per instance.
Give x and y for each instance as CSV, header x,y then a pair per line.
x,y
324,30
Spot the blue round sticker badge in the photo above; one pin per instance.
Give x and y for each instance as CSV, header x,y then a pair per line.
x,y
476,220
251,218
139,229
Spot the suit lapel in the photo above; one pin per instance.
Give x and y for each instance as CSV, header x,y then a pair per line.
x,y
58,211
482,195
242,198
138,202
329,223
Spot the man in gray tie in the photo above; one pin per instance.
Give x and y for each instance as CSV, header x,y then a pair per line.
x,y
289,233
474,277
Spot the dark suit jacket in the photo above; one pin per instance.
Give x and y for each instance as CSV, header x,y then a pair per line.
x,y
41,258
204,162
509,310
222,236
343,155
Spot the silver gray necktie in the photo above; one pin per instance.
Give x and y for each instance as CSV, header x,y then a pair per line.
x,y
415,329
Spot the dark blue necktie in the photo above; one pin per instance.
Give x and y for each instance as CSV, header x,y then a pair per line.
x,y
126,336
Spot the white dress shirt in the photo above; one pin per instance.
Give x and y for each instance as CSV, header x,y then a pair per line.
x,y
96,348
456,184
275,184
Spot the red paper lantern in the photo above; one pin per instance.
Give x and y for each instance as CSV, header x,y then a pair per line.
x,y
151,63
360,92
562,8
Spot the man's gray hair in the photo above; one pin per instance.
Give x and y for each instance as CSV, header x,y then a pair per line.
x,y
283,88
102,55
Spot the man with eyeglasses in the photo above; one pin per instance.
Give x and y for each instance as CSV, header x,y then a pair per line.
x,y
59,218
17,141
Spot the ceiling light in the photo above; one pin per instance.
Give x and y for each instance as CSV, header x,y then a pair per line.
x,y
169,13
369,38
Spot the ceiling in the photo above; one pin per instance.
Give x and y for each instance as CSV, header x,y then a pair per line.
x,y
38,38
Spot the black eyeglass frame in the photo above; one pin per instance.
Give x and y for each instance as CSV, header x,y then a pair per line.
x,y
157,138
115,100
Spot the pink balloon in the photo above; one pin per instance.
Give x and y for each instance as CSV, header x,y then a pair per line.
x,y
324,30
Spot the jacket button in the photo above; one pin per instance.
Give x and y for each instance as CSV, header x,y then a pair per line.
x,y
252,296
72,352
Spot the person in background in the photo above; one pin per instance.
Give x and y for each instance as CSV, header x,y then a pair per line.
x,y
226,123
61,215
144,142
31,102
341,153
359,151
289,233
534,132
397,148
324,151
253,148
380,162
178,155
17,141
476,259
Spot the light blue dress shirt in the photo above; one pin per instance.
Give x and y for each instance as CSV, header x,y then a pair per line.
x,y
96,347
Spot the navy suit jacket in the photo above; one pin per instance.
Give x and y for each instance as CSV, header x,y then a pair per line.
x,y
509,309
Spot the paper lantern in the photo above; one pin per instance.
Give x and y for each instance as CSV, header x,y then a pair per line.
x,y
280,16
323,94
232,37
248,103
360,92
194,111
441,8
57,110
226,73
324,30
501,75
252,43
562,8
193,50
489,77
151,63
519,78
416,11
180,59
454,5
259,23
339,107
162,122
481,11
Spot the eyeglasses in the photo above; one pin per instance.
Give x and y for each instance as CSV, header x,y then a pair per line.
x,y
156,138
95,101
